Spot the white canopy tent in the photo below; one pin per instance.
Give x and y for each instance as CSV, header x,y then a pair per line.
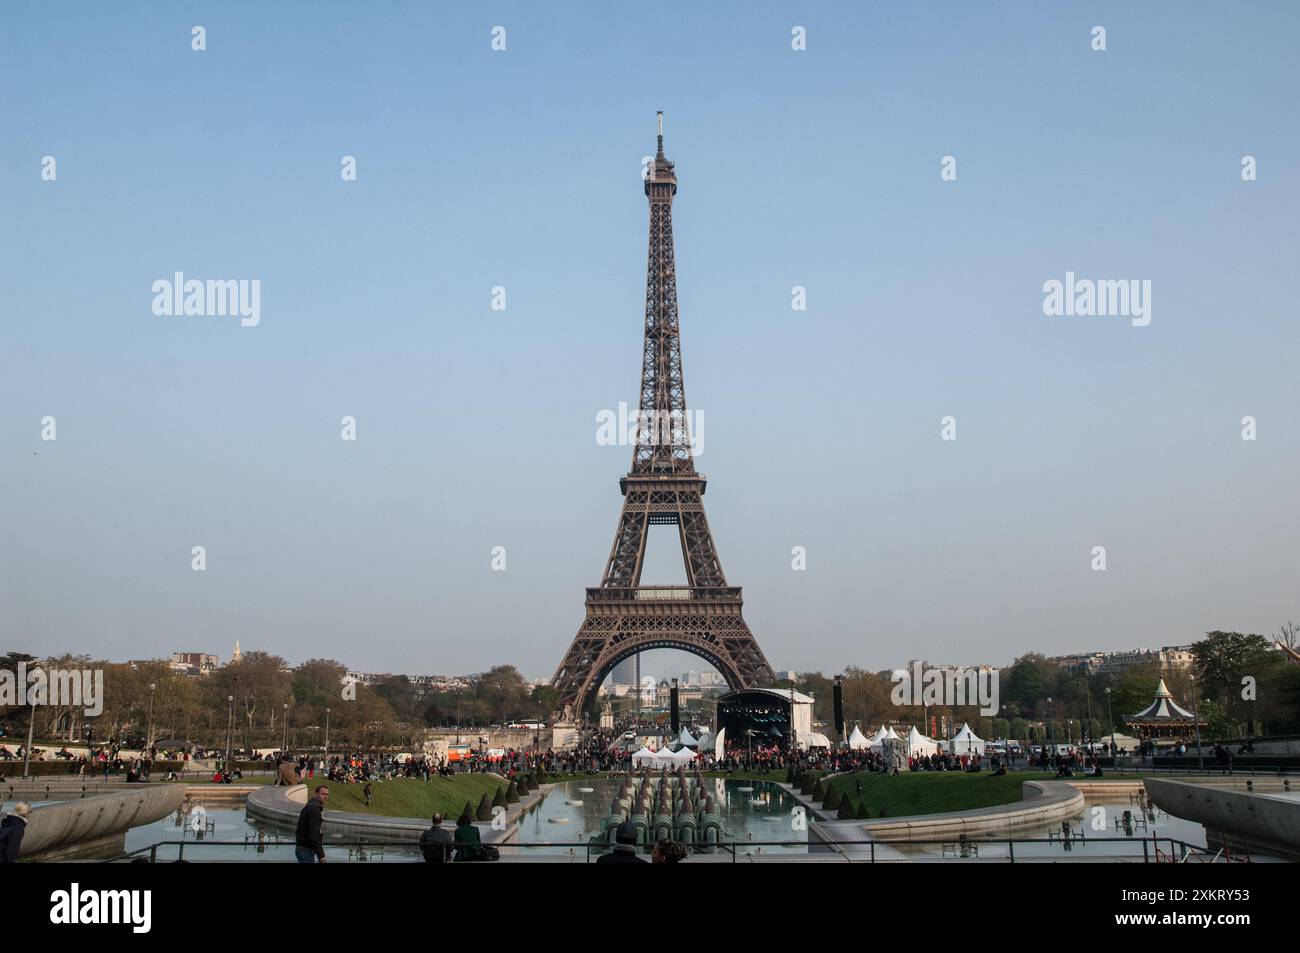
x,y
877,743
678,757
918,745
857,740
966,742
813,739
686,740
644,757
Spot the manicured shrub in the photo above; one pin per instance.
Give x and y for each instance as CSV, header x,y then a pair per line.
x,y
847,813
469,810
499,799
832,800
512,793
484,808
818,791
864,813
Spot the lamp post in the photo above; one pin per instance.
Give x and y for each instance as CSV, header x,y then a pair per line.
x,y
284,727
1052,757
148,741
1006,735
1196,723
327,741
27,752
1086,734
1110,717
230,727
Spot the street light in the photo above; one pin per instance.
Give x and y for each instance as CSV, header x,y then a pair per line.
x,y
1006,734
1111,718
27,752
1052,757
284,726
230,727
1196,723
148,741
327,740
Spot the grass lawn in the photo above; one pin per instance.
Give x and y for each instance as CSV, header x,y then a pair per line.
x,y
929,792
411,797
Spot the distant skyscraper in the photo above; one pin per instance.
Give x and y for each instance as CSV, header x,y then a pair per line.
x,y
624,672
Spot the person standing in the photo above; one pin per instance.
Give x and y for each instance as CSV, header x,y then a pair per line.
x,y
12,829
287,775
436,843
309,844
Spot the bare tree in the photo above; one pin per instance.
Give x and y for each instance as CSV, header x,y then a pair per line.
x,y
1288,640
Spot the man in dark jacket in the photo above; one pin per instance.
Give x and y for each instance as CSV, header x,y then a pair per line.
x,y
624,851
436,843
309,844
12,829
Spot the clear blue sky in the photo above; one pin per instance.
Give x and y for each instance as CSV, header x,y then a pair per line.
x,y
521,169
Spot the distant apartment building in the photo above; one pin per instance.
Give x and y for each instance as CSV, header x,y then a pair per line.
x,y
193,664
421,684
703,680
1170,658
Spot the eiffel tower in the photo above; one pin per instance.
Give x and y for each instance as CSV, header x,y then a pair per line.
x,y
663,488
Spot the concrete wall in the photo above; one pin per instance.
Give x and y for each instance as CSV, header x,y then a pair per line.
x,y
1267,823
1044,802
53,828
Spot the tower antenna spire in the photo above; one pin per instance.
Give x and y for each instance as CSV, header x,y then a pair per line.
x,y
661,132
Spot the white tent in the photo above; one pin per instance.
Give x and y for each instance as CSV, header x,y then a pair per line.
x,y
877,741
918,745
813,739
686,740
644,757
680,756
857,740
966,742
705,741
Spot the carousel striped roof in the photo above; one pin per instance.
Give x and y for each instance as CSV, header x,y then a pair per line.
x,y
1162,708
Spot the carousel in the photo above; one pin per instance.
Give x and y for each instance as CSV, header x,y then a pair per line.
x,y
1164,717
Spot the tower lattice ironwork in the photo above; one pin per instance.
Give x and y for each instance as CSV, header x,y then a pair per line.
x,y
663,487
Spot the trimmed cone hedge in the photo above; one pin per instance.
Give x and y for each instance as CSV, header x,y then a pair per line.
x,y
469,810
832,800
512,793
499,799
864,813
847,813
484,808
818,791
